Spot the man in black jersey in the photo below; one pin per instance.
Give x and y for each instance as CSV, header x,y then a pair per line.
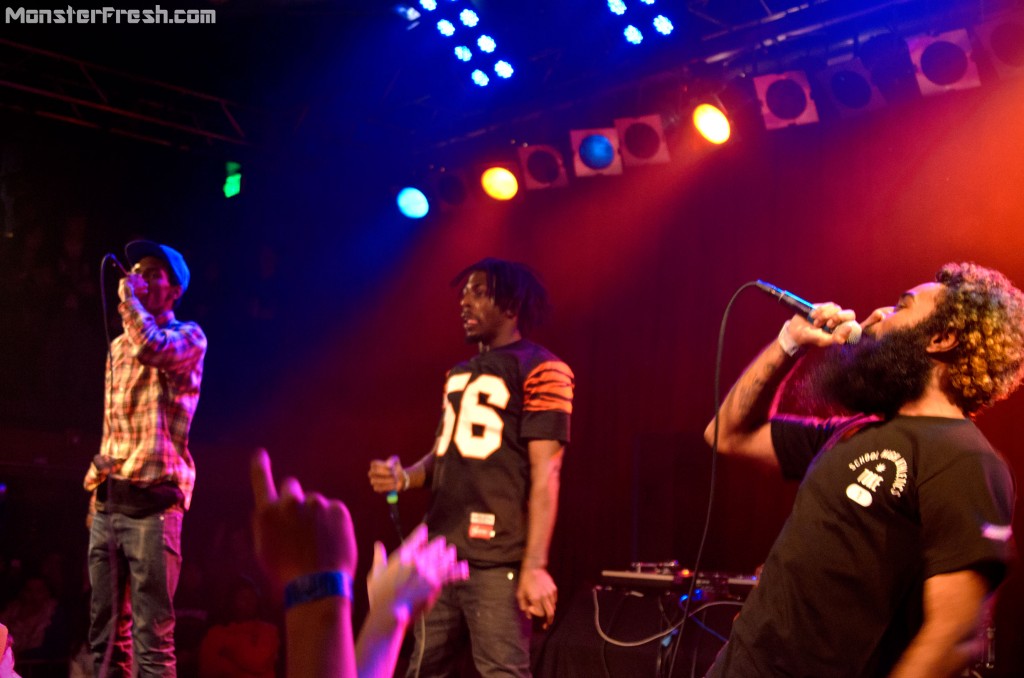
x,y
493,474
902,523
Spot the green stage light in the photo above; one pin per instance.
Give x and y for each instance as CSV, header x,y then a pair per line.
x,y
233,180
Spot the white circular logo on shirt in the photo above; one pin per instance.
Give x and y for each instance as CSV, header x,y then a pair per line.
x,y
858,494
871,469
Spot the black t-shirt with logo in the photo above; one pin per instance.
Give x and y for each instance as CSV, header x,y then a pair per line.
x,y
884,506
494,404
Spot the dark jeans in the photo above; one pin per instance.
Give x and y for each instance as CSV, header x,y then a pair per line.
x,y
482,610
136,561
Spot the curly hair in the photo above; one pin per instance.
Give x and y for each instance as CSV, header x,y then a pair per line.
x,y
514,287
986,312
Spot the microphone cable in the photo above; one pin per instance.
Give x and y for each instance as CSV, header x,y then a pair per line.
x,y
115,615
720,350
106,317
686,599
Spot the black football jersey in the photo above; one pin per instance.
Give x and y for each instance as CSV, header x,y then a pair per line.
x,y
494,404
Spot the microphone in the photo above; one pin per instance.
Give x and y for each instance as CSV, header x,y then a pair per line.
x,y
117,263
801,305
392,499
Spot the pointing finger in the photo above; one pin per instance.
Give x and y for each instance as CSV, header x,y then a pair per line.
x,y
262,479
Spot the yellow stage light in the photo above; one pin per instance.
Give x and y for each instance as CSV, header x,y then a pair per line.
x,y
499,183
712,123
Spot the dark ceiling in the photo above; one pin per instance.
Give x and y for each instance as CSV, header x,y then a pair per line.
x,y
336,73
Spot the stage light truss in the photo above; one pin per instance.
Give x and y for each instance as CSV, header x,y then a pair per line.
x,y
73,91
944,61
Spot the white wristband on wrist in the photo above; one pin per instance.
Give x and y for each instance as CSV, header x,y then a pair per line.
x,y
789,346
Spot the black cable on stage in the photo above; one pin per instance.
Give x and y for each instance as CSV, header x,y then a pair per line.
x,y
108,653
714,458
106,324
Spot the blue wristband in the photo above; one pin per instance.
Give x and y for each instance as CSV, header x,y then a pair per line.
x,y
310,587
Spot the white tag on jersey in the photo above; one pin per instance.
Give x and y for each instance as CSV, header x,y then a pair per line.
x,y
481,525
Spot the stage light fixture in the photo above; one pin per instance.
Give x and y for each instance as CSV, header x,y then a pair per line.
x,y
633,35
232,179
663,25
595,151
412,203
850,87
503,69
486,43
429,5
1004,40
542,167
943,63
410,14
711,122
463,53
479,78
617,7
785,99
499,183
449,187
469,18
642,140
446,28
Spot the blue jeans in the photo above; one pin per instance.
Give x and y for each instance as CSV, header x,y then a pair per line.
x,y
135,561
484,611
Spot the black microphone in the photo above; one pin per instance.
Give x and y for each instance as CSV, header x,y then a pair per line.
x,y
801,305
392,499
798,304
116,263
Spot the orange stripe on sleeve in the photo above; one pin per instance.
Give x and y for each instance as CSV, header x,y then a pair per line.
x,y
549,387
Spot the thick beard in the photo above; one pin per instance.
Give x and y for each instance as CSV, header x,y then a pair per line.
x,y
876,376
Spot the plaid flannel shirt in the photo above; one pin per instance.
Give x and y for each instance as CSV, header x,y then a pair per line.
x,y
157,370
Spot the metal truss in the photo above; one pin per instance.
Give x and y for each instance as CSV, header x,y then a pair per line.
x,y
57,87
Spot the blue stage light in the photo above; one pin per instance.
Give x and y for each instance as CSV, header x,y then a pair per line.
x,y
647,2
597,151
469,18
479,77
617,7
463,53
410,14
486,43
429,5
633,35
503,69
662,24
446,27
412,203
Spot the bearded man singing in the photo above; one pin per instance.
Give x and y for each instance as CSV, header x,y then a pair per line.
x,y
901,527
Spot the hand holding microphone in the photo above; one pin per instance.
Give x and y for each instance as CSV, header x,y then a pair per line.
x,y
388,476
815,324
132,284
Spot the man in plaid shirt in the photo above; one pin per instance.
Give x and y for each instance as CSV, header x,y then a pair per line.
x,y
144,474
